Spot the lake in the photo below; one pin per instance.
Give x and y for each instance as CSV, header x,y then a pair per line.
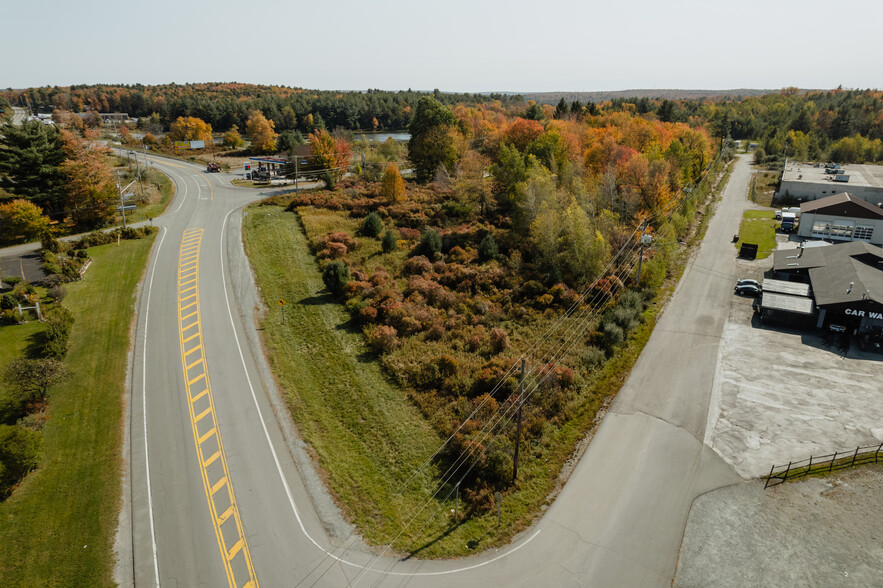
x,y
381,137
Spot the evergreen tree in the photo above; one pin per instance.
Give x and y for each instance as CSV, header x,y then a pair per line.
x,y
432,138
30,156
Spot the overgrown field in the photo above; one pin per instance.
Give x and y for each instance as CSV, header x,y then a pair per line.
x,y
58,526
367,432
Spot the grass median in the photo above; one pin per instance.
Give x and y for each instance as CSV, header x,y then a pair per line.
x,y
58,527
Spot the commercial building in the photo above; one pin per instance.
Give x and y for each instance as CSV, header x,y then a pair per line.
x,y
841,217
811,181
846,282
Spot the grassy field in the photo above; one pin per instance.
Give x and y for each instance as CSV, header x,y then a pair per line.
x,y
58,528
764,186
367,434
759,226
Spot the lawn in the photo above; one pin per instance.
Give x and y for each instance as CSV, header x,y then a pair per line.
x,y
58,527
759,227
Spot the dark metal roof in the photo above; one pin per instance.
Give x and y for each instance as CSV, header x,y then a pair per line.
x,y
844,205
847,272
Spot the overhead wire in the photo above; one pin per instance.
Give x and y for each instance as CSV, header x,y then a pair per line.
x,y
589,313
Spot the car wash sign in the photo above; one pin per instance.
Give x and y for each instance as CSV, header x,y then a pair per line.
x,y
873,315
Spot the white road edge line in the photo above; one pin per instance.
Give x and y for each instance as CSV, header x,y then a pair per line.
x,y
279,466
144,405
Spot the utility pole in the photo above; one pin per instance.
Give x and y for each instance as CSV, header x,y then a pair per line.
x,y
518,422
122,203
645,240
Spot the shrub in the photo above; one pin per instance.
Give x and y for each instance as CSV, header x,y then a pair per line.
x,y
372,225
487,249
430,243
417,266
8,301
611,335
382,338
55,337
12,280
57,293
499,340
336,276
50,243
592,357
458,255
19,453
389,243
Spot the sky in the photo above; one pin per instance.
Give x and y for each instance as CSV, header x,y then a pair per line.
x,y
457,45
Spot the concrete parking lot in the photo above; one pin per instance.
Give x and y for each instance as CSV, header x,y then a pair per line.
x,y
783,395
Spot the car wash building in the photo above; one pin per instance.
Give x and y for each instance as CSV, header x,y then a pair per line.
x,y
846,282
841,217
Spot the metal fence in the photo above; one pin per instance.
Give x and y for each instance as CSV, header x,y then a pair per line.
x,y
824,464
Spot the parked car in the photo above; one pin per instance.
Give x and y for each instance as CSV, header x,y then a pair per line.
x,y
748,290
748,282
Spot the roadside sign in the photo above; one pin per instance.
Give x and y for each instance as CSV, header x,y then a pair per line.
x,y
281,302
127,207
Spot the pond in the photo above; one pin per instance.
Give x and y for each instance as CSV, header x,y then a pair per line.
x,y
381,137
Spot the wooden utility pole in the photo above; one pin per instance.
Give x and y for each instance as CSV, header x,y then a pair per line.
x,y
518,422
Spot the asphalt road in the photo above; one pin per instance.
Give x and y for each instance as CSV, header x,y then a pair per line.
x,y
198,516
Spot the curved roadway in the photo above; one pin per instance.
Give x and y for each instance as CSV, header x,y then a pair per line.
x,y
217,496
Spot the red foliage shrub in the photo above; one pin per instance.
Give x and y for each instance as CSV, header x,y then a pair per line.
x,y
417,266
382,338
358,289
436,332
409,234
368,314
380,277
458,255
499,340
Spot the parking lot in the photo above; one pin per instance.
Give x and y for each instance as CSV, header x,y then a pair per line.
x,y
783,395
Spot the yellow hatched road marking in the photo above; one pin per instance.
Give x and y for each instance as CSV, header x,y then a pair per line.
x,y
188,273
203,413
200,395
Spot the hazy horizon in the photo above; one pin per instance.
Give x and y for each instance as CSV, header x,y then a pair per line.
x,y
490,46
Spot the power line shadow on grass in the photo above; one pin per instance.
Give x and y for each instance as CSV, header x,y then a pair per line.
x,y
415,552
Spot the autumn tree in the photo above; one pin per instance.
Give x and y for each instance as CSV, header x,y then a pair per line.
x,y
393,188
432,138
330,156
30,156
91,191
21,218
232,138
261,132
190,129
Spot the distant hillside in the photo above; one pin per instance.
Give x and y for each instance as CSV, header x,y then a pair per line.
x,y
553,97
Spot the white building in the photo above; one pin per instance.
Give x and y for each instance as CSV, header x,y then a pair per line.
x,y
808,181
841,217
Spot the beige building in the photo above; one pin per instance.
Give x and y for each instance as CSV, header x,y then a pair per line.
x,y
841,217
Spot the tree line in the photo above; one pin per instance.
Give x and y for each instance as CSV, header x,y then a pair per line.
x,y
225,105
